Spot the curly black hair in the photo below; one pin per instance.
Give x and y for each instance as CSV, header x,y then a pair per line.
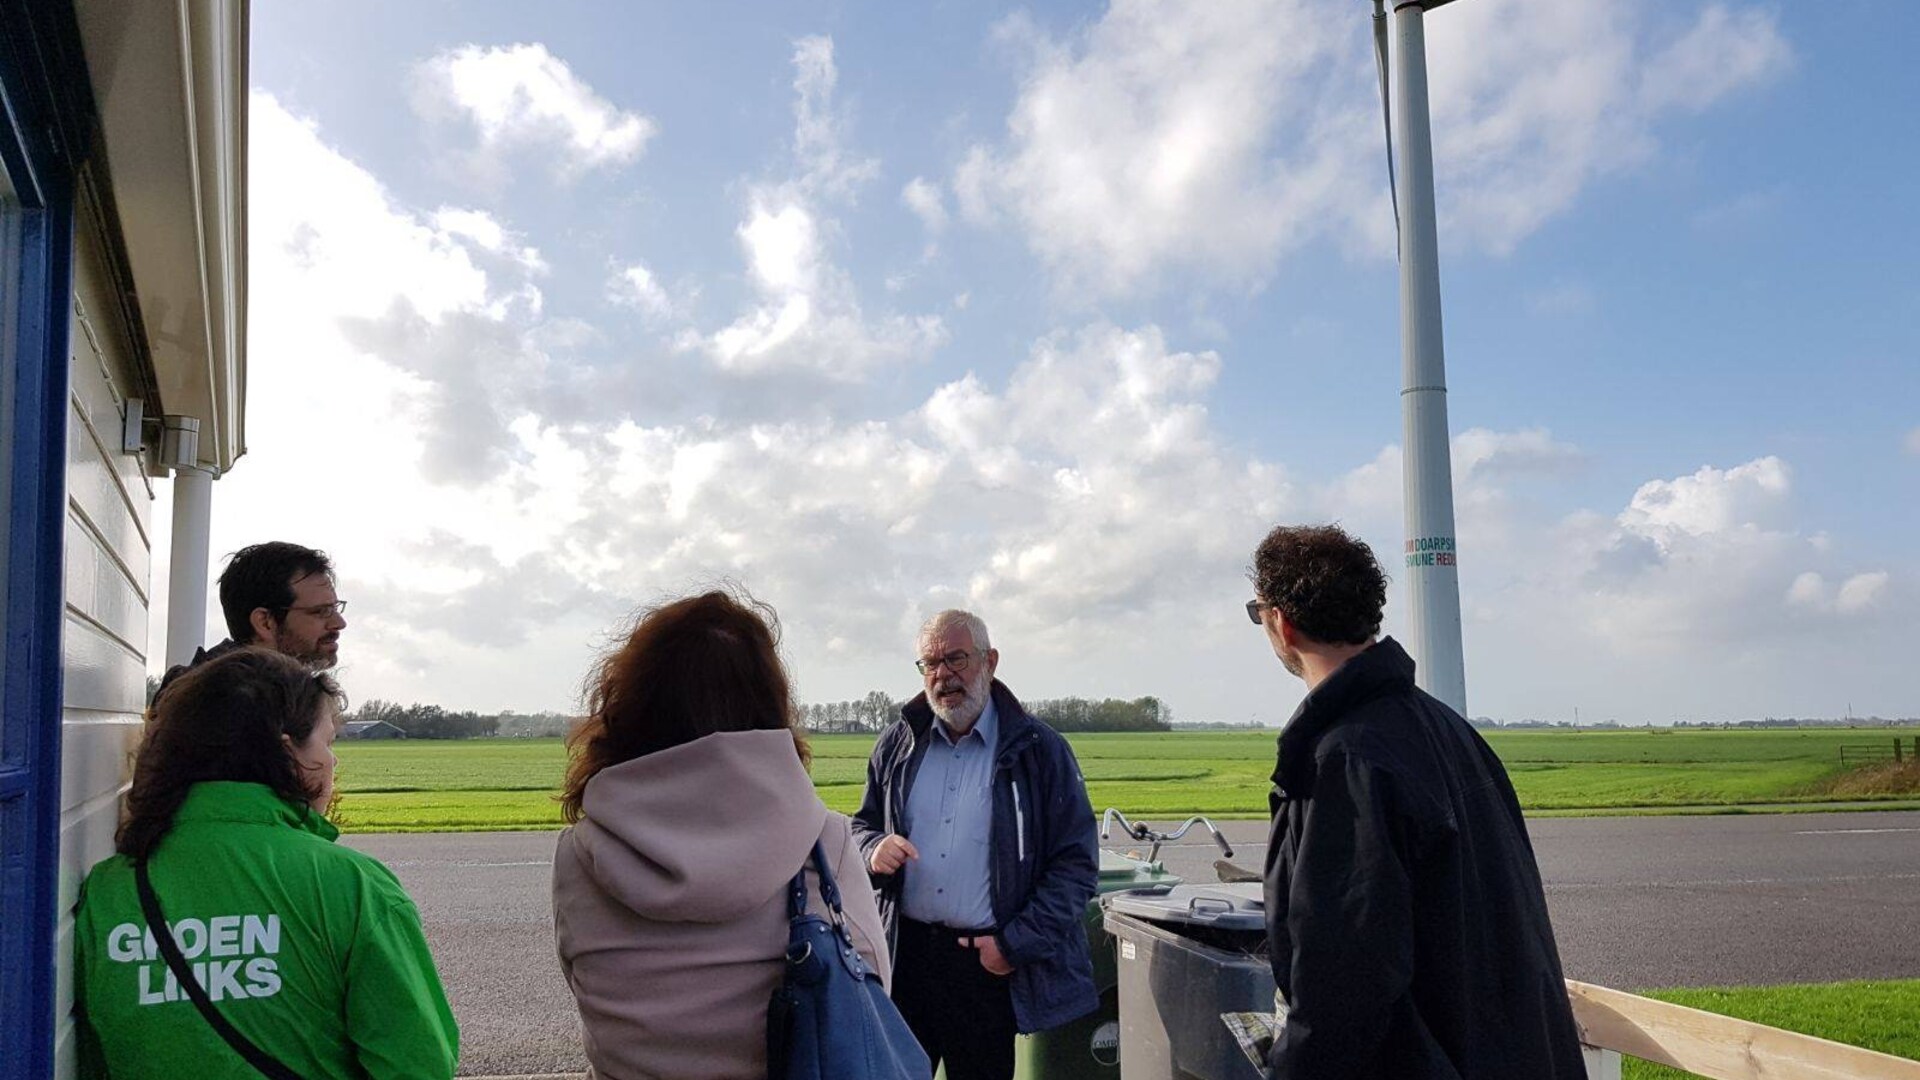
x,y
1326,583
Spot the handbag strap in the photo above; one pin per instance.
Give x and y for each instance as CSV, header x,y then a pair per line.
x,y
829,891
262,1062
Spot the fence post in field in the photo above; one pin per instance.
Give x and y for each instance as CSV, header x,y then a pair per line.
x,y
1896,750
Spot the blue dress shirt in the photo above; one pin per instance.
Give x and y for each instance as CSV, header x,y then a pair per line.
x,y
950,822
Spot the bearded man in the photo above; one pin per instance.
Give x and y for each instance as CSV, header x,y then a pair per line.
x,y
279,595
981,842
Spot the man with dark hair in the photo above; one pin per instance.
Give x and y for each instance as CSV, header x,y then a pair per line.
x,y
279,595
1405,915
980,838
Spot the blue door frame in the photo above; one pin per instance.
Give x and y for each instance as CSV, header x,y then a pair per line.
x,y
46,126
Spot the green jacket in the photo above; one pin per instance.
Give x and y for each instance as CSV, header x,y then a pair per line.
x,y
312,950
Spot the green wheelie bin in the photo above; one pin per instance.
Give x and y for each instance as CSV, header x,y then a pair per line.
x,y
1089,1048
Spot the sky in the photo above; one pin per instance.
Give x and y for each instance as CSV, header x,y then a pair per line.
x,y
1051,311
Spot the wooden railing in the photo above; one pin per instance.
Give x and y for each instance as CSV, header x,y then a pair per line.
x,y
1615,1023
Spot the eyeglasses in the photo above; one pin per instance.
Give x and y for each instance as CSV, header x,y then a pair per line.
x,y
1254,608
956,662
318,611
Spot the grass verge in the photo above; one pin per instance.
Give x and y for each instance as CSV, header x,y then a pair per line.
x,y
420,786
1878,1015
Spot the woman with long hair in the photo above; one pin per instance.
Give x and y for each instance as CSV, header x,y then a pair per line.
x,y
691,810
299,955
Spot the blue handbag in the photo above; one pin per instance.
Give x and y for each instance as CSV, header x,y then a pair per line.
x,y
831,1018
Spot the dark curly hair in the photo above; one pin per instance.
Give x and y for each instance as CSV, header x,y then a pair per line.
x,y
223,721
1324,581
689,668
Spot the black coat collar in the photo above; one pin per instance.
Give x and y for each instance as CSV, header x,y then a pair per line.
x,y
1384,668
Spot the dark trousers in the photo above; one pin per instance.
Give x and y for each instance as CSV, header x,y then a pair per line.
x,y
961,1012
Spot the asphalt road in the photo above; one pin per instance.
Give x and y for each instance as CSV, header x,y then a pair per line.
x,y
1636,902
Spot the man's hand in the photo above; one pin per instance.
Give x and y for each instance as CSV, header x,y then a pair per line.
x,y
991,957
891,853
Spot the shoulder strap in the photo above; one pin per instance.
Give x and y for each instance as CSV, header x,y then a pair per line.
x,y
262,1062
829,891
797,888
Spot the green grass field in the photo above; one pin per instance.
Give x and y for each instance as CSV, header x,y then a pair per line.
x,y
510,783
1883,1016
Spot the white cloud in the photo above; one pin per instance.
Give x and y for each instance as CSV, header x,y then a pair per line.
x,y
1145,143
1809,590
1085,491
1856,595
392,355
522,97
1861,591
1709,501
1479,452
1693,566
923,197
1532,104
1485,463
1699,596
819,130
1085,502
1167,140
1724,52
635,286
929,204
805,315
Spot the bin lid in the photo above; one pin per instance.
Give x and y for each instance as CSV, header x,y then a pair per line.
x,y
1228,907
1119,871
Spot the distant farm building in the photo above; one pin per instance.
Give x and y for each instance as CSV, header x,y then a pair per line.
x,y
370,729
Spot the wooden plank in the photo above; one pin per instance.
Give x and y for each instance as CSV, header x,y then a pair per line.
x,y
1720,1047
102,674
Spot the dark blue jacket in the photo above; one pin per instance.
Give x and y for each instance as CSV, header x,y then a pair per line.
x,y
1407,922
1046,858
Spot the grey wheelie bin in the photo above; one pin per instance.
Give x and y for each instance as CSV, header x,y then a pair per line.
x,y
1089,1048
1186,956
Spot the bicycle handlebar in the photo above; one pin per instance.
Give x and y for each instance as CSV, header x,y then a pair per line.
x,y
1144,833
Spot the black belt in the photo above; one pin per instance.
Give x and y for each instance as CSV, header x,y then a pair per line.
x,y
941,931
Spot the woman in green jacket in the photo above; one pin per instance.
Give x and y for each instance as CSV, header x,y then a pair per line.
x,y
308,951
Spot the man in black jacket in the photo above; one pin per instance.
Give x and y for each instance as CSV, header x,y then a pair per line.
x,y
1407,922
979,836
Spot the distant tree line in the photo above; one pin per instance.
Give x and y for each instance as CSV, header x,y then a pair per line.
x,y
862,716
866,715
1073,714
434,722
872,713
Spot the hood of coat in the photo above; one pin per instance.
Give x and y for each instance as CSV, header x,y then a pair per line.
x,y
703,832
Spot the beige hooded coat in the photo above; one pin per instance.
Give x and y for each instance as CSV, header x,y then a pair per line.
x,y
670,903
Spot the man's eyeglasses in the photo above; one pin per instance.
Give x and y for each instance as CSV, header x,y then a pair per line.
x,y
956,662
1254,608
318,611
